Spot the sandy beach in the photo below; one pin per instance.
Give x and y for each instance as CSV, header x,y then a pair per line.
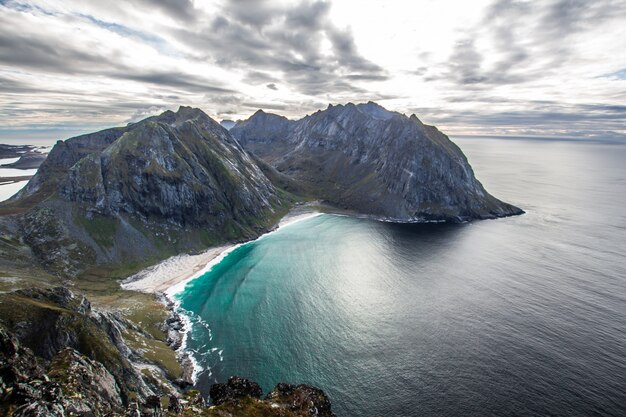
x,y
171,273
160,277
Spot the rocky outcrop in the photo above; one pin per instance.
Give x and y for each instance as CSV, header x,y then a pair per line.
x,y
58,357
234,389
373,161
182,168
240,396
47,321
302,399
25,389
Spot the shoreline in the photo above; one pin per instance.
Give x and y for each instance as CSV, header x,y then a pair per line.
x,y
170,277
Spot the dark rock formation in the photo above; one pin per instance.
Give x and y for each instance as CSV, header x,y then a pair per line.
x,y
47,321
241,396
236,388
301,399
76,367
182,168
14,151
373,161
73,385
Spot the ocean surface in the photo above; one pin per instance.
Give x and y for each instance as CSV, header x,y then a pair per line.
x,y
522,316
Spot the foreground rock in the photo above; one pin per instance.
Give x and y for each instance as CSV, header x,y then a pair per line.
x,y
59,357
240,396
373,161
50,321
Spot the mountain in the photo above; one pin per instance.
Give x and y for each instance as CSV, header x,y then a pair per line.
x,y
373,161
227,124
127,197
170,183
28,160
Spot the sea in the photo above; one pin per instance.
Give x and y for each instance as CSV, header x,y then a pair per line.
x,y
522,316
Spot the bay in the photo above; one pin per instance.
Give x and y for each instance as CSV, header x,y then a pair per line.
x,y
518,316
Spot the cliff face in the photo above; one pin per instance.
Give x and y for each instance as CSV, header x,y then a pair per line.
x,y
170,183
58,354
182,168
365,158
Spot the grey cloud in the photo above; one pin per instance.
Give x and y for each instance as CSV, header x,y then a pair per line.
x,y
272,86
259,77
39,53
172,79
264,105
548,27
465,63
541,119
182,10
284,39
21,51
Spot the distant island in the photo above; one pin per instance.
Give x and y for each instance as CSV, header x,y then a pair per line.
x,y
106,205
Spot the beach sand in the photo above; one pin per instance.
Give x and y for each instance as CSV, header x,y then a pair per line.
x,y
158,278
172,272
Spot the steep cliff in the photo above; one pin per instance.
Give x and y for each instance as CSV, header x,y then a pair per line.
x,y
373,161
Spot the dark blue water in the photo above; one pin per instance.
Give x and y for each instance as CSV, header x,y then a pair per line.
x,y
520,316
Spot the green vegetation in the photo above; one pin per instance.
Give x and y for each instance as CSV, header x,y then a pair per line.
x,y
101,229
245,407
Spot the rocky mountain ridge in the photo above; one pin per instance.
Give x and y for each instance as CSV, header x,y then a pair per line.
x,y
373,161
172,183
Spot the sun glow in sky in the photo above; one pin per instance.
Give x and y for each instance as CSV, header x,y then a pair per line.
x,y
554,68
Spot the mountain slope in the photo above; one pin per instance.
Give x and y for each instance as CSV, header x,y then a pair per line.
x,y
171,183
367,159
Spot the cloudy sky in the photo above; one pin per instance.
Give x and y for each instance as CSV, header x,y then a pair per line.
x,y
550,68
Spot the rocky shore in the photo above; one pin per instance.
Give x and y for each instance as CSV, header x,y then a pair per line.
x,y
59,357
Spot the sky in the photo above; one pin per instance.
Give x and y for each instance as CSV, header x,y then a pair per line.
x,y
517,68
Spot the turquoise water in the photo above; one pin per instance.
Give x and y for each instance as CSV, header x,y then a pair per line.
x,y
517,316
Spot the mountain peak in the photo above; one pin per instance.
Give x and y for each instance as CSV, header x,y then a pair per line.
x,y
375,110
378,161
189,112
415,119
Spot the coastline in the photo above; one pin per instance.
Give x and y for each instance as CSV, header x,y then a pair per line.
x,y
170,277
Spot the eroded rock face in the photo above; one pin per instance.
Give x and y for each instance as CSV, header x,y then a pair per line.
x,y
235,388
89,386
75,385
304,399
53,322
181,167
365,158
240,395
